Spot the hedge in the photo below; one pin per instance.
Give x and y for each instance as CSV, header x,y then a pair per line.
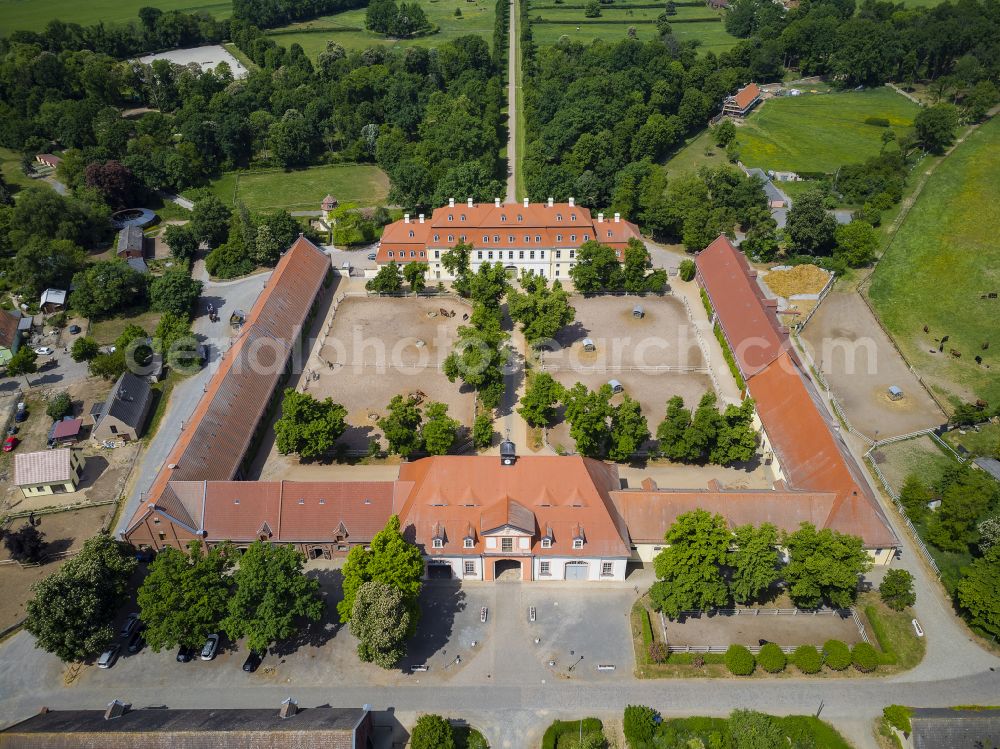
x,y
618,21
772,658
740,661
687,659
836,654
807,659
707,303
898,716
647,629
888,655
877,121
864,657
727,354
560,727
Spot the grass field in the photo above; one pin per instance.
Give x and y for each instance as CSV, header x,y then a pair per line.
x,y
348,28
982,443
10,167
32,15
942,259
822,132
304,189
697,152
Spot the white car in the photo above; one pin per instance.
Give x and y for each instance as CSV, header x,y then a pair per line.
x,y
210,648
109,656
43,351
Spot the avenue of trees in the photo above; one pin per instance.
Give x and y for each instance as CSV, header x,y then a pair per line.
x,y
707,565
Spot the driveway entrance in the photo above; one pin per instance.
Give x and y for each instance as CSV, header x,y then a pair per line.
x,y
507,570
577,571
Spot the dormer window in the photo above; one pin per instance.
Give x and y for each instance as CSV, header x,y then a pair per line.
x,y
546,543
438,543
411,233
486,239
609,233
520,217
572,217
451,216
558,217
586,237
496,237
463,217
451,238
559,237
437,237
503,218
577,543
469,543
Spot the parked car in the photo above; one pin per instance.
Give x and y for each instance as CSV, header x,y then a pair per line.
x,y
109,656
129,626
21,415
10,443
253,660
210,648
372,255
135,642
185,654
74,329
44,351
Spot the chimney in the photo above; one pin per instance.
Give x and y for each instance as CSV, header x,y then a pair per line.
x,y
649,485
406,218
600,218
618,218
470,202
550,202
289,707
496,202
451,202
421,218
115,709
525,202
572,202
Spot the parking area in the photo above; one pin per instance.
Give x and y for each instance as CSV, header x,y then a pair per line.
x,y
371,349
860,363
748,629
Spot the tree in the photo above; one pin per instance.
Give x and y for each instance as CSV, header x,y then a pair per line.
x,y
308,427
857,243
966,495
629,430
687,270
705,426
84,349
597,268
72,609
914,496
824,566
290,139
114,181
432,732
935,126
41,264
388,280
671,435
271,592
440,430
390,559
210,220
482,431
724,133
688,570
592,9
753,562
401,426
540,398
184,596
750,729
810,228
588,413
479,355
989,533
735,437
542,312
633,272
896,590
22,364
638,725
26,544
59,406
415,275
266,248
978,102
106,286
381,623
979,595
456,262
175,291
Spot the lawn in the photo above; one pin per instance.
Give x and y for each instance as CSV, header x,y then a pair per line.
x,y
893,631
982,443
697,152
711,34
821,132
10,166
32,15
106,332
304,189
348,28
942,260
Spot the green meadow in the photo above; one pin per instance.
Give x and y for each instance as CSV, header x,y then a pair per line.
x,y
33,15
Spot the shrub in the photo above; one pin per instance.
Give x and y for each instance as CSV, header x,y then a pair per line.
x,y
807,659
898,716
877,121
864,657
59,406
771,658
638,725
687,270
658,652
698,660
559,727
896,590
740,661
647,628
836,654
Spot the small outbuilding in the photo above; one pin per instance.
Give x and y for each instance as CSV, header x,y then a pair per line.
x,y
616,386
588,344
47,159
237,318
895,393
65,432
131,242
638,311
48,471
53,300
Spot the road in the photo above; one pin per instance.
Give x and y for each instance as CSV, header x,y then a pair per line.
x,y
225,296
512,84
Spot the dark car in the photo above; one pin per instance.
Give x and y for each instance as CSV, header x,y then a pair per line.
x,y
136,642
74,329
185,654
253,660
21,416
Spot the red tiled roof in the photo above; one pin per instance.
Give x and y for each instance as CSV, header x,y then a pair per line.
x,y
313,511
746,95
747,318
67,428
561,493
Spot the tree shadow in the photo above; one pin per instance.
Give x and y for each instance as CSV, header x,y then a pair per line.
x,y
440,601
317,634
92,471
356,437
570,334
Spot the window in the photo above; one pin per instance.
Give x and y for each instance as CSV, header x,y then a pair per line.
x,y
572,217
390,253
438,543
546,543
607,569
586,237
542,254
451,216
496,238
469,543
559,237
437,237
470,568
577,543
479,255
572,254
609,233
572,237
486,239
520,254
558,217
113,428
532,254
463,217
422,254
538,237
437,254
558,254
544,568
413,253
507,544
527,238
489,255
510,254
156,521
520,217
163,536
510,238
451,238
411,233
503,218
461,237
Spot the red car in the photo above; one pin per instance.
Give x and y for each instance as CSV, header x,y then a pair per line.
x,y
10,443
